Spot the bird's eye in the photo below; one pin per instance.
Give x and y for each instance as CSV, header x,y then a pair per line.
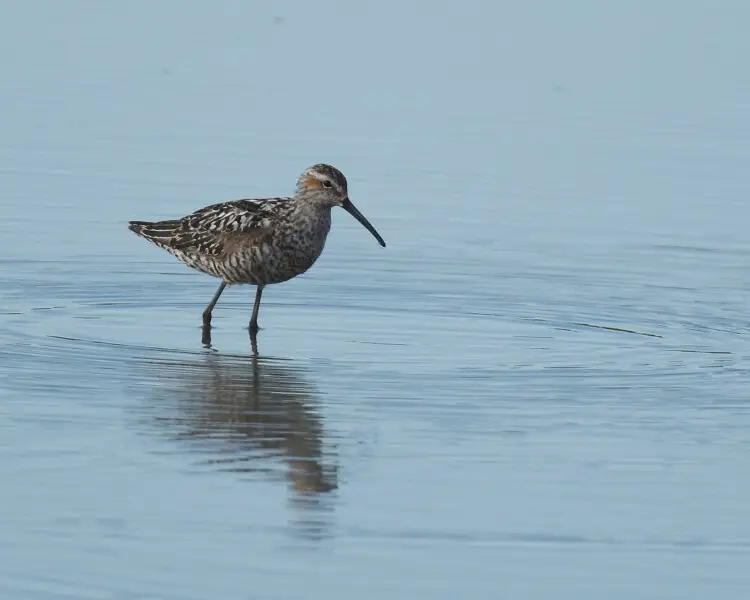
x,y
327,183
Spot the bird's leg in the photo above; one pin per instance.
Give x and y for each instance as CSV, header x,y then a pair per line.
x,y
254,346
210,307
254,319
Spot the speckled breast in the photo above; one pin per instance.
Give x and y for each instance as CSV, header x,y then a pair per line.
x,y
290,250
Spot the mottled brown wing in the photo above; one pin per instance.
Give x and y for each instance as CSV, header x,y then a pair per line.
x,y
214,229
242,216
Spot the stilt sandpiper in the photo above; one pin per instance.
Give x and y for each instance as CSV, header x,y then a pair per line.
x,y
257,241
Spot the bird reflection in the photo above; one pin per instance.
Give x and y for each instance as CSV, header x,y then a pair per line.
x,y
249,415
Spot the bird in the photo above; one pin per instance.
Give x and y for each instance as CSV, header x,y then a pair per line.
x,y
257,241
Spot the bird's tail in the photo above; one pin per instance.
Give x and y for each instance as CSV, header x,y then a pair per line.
x,y
160,233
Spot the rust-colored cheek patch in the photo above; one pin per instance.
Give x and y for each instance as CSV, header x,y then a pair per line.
x,y
313,182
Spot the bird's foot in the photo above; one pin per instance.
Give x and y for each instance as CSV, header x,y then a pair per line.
x,y
253,329
206,335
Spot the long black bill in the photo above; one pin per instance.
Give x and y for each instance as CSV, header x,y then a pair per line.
x,y
352,210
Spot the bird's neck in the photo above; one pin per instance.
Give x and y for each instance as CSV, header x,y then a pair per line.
x,y
312,206
316,214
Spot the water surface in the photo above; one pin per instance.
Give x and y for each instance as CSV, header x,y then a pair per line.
x,y
537,390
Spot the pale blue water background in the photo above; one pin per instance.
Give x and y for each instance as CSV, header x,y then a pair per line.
x,y
444,418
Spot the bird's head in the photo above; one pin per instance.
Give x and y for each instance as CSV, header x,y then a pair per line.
x,y
327,185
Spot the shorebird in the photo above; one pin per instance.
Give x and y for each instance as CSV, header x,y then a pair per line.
x,y
257,241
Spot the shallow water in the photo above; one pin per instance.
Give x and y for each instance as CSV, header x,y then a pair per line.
x,y
537,390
